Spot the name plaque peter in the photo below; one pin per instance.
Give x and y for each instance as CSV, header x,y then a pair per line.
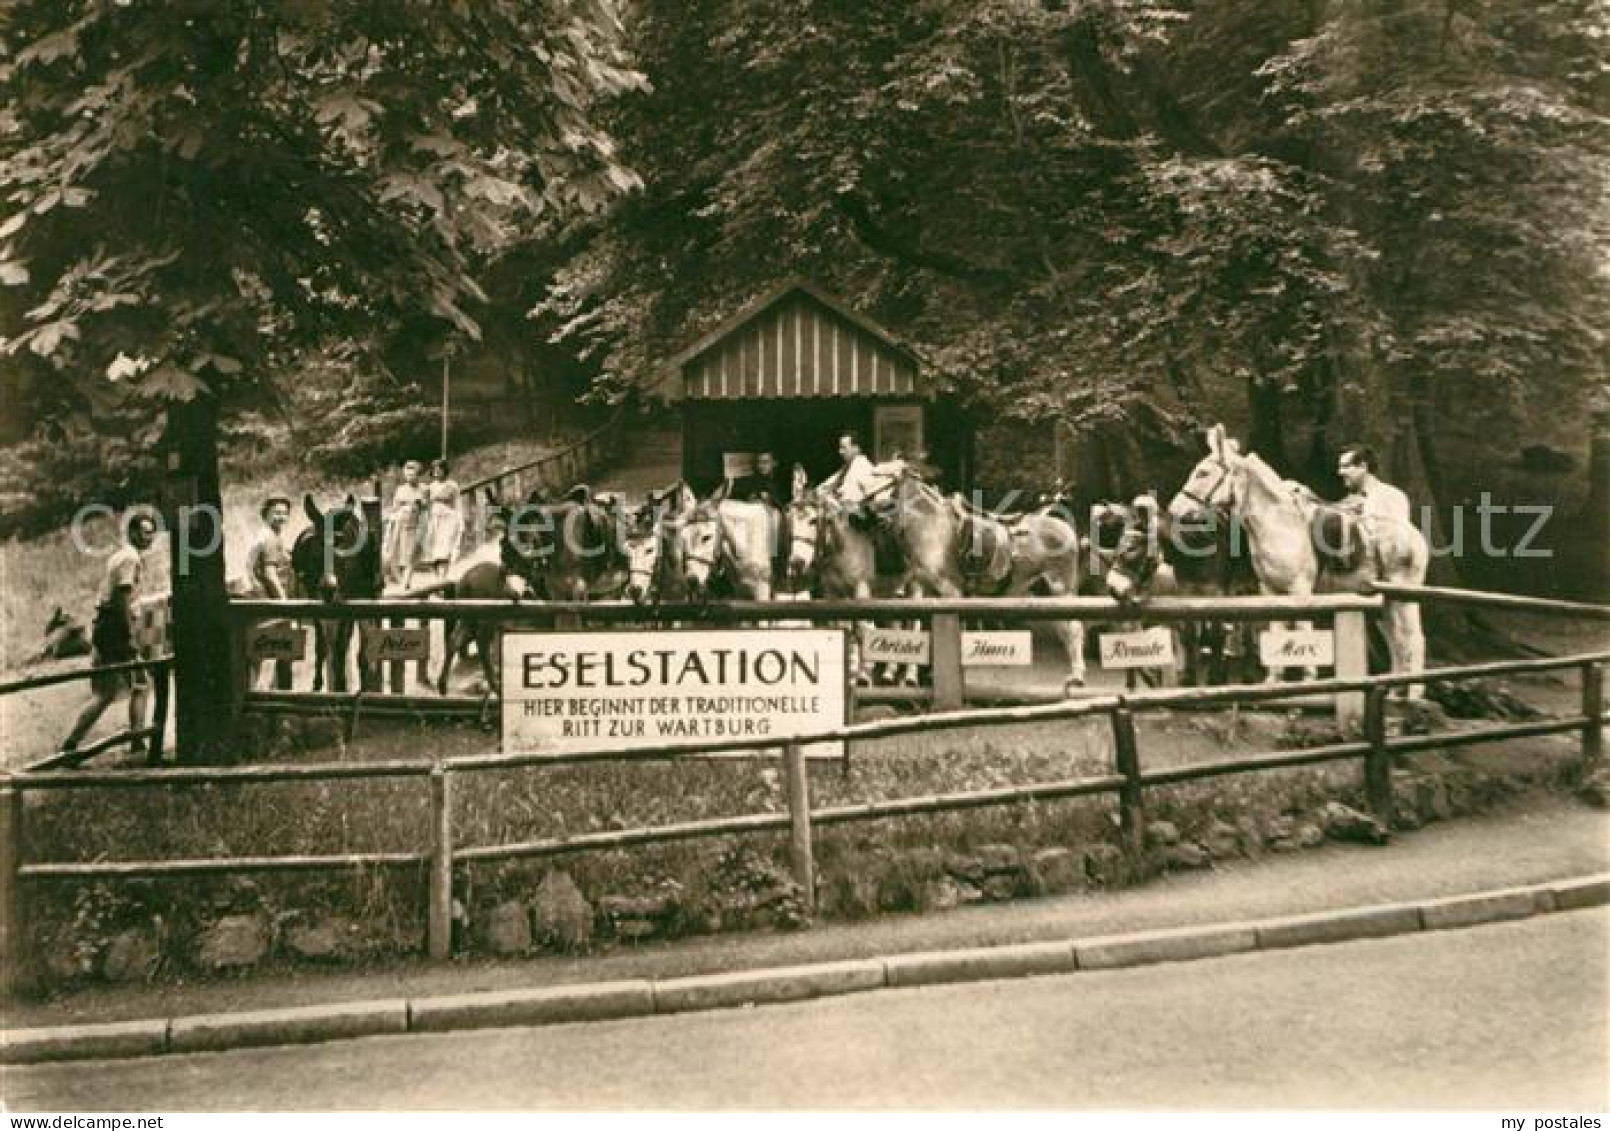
x,y
573,692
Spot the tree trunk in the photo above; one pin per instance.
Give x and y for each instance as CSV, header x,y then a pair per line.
x,y
204,656
1319,472
1585,547
1413,466
1268,437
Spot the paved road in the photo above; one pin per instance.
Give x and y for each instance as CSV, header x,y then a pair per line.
x,y
1510,1016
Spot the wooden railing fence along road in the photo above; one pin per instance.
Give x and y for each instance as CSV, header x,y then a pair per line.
x,y
1128,780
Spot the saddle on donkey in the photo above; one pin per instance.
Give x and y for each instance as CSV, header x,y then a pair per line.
x,y
1335,530
983,552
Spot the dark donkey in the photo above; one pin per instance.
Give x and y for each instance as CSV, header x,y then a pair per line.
x,y
513,573
337,557
579,538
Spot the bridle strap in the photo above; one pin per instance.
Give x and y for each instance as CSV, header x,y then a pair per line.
x,y
1224,473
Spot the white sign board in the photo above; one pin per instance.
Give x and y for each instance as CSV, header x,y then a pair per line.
x,y
1149,648
385,645
1297,648
276,640
992,649
736,465
896,646
569,692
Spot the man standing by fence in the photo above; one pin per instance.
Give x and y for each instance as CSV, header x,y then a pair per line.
x,y
1376,503
113,634
268,564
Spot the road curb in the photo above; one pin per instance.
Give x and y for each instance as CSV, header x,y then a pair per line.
x,y
215,1032
644,997
1486,907
84,1042
980,964
1181,944
551,1005
1589,891
765,987
1345,926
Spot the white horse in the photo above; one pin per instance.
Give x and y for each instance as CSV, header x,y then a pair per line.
x,y
1279,518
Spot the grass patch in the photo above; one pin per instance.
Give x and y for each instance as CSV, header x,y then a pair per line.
x,y
914,863
893,865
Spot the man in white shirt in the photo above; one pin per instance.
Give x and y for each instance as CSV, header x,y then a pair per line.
x,y
853,482
1376,503
113,635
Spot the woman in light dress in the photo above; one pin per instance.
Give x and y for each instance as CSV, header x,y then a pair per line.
x,y
405,526
446,533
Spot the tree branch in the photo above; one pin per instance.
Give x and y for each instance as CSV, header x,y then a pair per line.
x,y
880,238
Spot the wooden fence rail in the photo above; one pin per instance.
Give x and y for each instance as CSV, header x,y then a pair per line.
x,y
943,615
563,467
1129,783
1010,609
1507,602
161,669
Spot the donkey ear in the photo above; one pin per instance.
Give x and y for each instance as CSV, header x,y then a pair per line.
x,y
351,503
311,509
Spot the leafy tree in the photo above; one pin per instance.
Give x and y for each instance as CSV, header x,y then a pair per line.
x,y
1106,212
198,194
1466,143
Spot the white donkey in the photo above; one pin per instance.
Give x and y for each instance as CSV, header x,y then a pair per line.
x,y
1280,520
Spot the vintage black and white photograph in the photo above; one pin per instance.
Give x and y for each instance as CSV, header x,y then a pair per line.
x,y
774,556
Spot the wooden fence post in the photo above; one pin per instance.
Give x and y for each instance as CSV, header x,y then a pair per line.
x,y
369,673
440,932
1593,708
1378,762
1352,662
945,655
422,668
161,685
1131,799
15,961
799,817
240,633
397,670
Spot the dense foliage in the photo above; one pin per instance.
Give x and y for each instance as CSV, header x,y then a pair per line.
x,y
1111,213
1093,211
197,194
